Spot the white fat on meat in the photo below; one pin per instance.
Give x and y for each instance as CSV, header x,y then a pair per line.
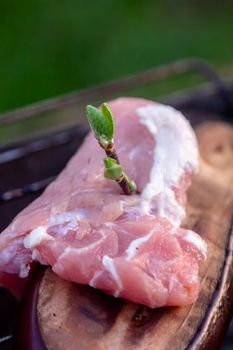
x,y
89,247
94,279
67,221
63,218
36,237
110,267
24,269
37,257
194,239
175,151
135,244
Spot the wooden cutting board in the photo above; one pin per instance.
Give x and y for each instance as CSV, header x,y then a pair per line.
x,y
78,317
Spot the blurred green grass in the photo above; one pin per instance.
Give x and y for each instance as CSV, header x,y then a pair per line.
x,y
48,48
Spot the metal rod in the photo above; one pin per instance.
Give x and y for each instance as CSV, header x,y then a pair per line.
x,y
117,86
54,139
7,155
29,188
5,340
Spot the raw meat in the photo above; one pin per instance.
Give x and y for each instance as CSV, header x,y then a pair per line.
x,y
128,246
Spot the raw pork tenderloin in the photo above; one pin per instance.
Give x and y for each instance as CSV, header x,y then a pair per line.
x,y
90,233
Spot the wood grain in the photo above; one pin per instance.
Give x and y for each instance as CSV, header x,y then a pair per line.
x,y
77,317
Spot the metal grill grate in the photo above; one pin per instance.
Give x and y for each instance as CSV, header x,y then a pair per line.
x,y
5,340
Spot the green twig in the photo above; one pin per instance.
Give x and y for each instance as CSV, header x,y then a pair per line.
x,y
102,125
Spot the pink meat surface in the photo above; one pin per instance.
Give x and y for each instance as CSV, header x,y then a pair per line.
x,y
128,246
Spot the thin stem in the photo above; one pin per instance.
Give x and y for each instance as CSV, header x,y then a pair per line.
x,y
123,181
110,151
102,124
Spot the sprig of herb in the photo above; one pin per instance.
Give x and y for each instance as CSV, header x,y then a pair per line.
x,y
102,125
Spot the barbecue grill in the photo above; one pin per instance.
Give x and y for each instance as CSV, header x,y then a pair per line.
x,y
53,130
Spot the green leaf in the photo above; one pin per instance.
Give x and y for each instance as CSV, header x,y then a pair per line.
x,y
109,116
101,122
113,170
109,162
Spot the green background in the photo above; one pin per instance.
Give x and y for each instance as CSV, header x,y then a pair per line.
x,y
50,47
